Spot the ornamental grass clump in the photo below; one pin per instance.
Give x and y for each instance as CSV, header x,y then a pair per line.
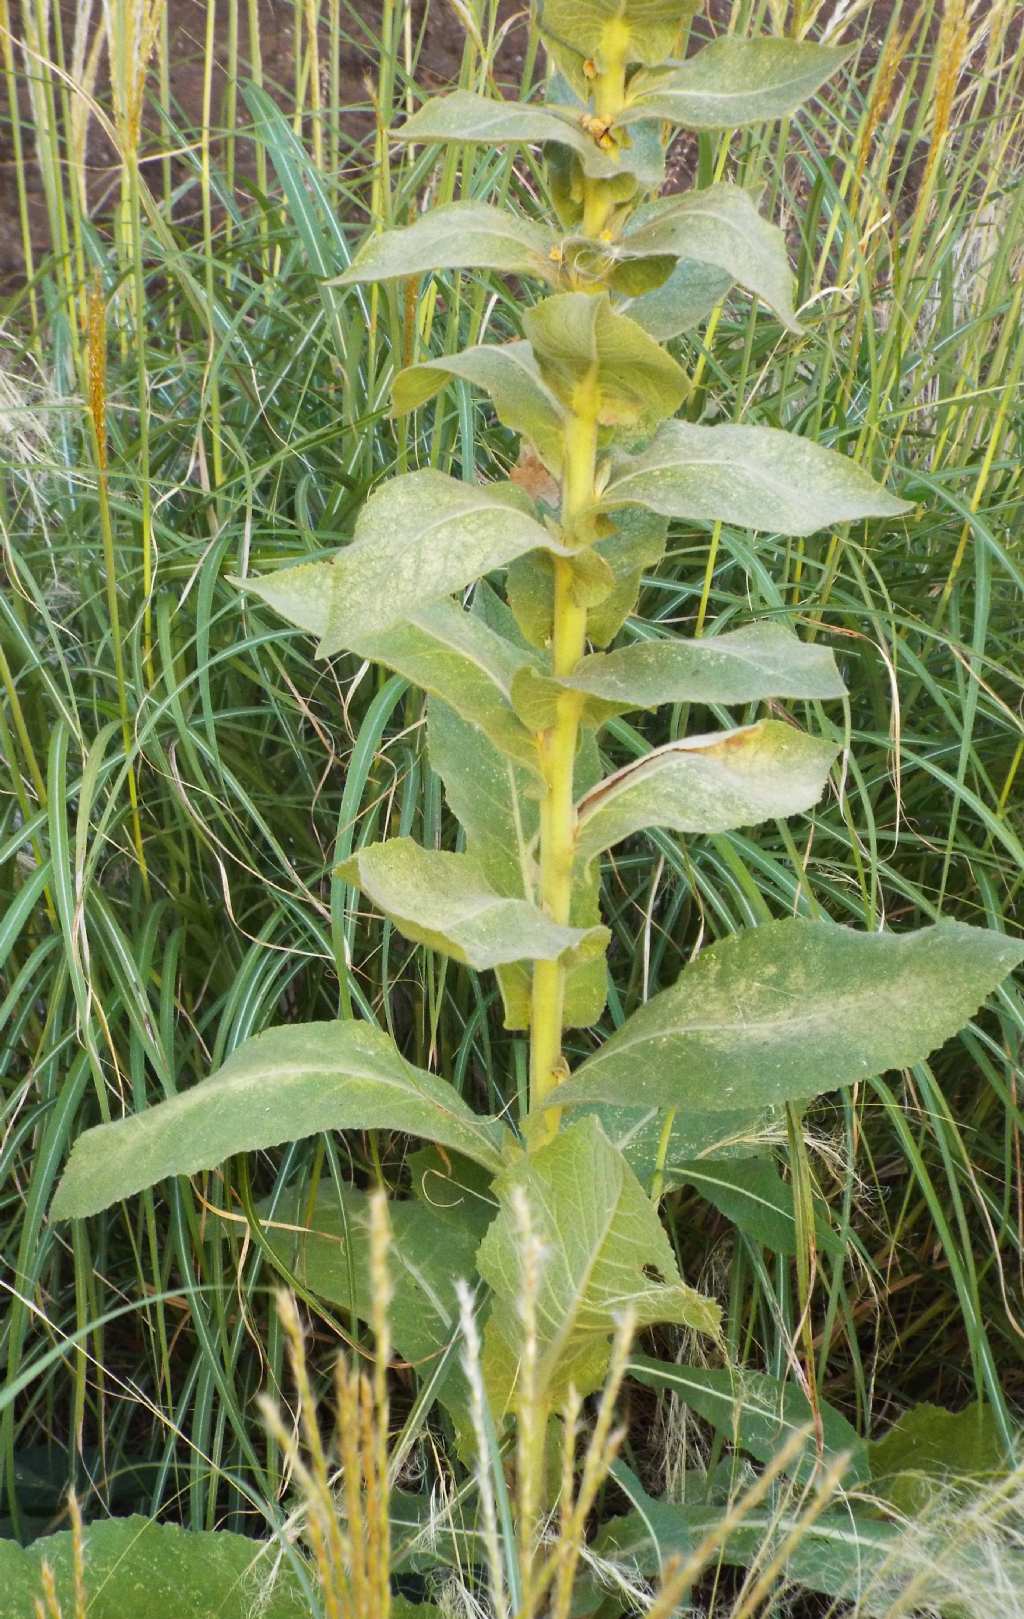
x,y
506,608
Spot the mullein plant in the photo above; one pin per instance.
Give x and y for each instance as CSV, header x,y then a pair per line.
x,y
501,605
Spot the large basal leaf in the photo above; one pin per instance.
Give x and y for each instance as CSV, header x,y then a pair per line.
x,y
636,30
134,1566
928,1450
759,1413
704,1139
752,1194
464,116
279,1086
457,236
581,344
327,1247
508,373
680,303
446,902
420,537
742,666
708,784
885,1569
792,1009
733,82
719,226
605,1253
840,1554
455,1185
497,805
753,477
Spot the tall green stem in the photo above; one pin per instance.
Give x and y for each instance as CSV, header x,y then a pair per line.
x,y
568,643
558,752
609,95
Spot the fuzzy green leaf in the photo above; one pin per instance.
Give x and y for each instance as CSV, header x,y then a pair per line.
x,y
637,543
420,537
448,1182
497,805
733,82
508,373
741,666
462,115
636,155
457,236
605,1250
752,477
578,340
680,303
446,902
154,1571
793,1009
638,30
719,226
758,1413
450,652
279,1086
441,648
710,783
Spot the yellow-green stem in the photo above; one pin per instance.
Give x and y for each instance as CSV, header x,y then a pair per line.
x,y
558,754
609,96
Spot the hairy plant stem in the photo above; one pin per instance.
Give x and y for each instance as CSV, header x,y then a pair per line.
x,y
558,752
609,96
568,643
